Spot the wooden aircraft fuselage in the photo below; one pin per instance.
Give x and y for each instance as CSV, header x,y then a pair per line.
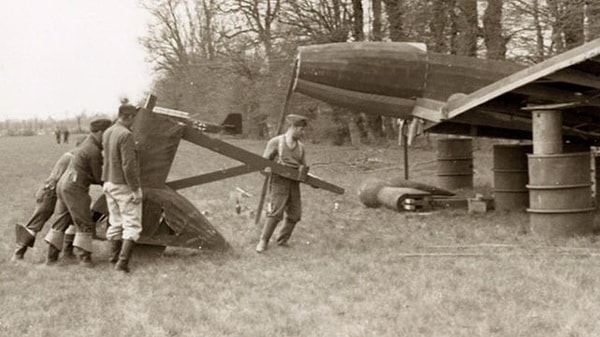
x,y
386,78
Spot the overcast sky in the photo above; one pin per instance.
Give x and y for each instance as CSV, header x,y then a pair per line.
x,y
61,57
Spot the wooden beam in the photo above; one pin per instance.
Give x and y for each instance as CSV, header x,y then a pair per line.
x,y
212,176
256,161
150,103
556,95
428,109
555,106
576,77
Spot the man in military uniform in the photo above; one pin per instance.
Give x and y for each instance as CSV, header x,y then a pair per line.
x,y
285,149
45,199
73,196
121,176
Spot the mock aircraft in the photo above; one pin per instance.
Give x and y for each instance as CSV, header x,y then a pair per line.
x,y
456,94
169,219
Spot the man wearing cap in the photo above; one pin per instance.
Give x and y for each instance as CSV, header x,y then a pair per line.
x,y
121,176
73,196
45,199
285,149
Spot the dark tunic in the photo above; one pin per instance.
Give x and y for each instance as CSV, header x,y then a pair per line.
x,y
46,195
73,187
121,164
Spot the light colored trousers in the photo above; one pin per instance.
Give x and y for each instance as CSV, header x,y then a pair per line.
x,y
125,217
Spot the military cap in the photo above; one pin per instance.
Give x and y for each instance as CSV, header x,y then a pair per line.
x,y
296,120
127,110
100,124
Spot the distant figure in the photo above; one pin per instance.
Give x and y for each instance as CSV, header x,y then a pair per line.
x,y
65,136
57,135
285,149
122,188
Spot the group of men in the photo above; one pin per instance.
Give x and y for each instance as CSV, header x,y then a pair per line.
x,y
64,133
106,157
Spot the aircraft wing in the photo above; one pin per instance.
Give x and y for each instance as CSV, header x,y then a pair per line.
x,y
569,82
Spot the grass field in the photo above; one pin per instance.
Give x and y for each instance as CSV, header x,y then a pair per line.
x,y
350,271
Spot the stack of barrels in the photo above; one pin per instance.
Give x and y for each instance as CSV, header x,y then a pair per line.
x,y
560,195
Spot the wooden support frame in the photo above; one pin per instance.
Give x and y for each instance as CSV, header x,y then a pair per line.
x,y
212,176
253,162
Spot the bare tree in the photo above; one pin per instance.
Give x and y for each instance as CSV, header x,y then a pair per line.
x,y
493,37
357,27
377,30
183,33
593,19
258,26
439,24
395,13
467,27
568,25
318,21
573,23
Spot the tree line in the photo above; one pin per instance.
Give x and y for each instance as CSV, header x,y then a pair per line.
x,y
214,57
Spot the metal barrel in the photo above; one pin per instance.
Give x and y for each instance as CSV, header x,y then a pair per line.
x,y
596,168
510,177
560,199
455,163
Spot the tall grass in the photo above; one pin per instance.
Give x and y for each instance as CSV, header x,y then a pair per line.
x,y
350,270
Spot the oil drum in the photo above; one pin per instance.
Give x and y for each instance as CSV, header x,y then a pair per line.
x,y
510,177
455,163
560,198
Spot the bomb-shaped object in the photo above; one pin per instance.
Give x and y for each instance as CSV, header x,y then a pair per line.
x,y
367,191
395,193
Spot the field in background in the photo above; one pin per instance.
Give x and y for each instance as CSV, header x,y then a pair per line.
x,y
350,270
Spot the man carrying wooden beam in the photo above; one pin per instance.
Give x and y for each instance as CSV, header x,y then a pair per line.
x,y
285,149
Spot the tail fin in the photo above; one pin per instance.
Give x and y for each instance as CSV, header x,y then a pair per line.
x,y
233,124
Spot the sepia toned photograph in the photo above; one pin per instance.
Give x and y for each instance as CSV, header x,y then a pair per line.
x,y
300,168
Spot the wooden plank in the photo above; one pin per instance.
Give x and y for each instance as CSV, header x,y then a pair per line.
x,y
557,95
316,182
428,109
555,106
256,161
576,77
171,112
523,77
212,176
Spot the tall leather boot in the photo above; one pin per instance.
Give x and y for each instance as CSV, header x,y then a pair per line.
x,y
115,250
55,240
52,255
125,256
85,258
83,248
286,232
24,239
266,234
67,250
